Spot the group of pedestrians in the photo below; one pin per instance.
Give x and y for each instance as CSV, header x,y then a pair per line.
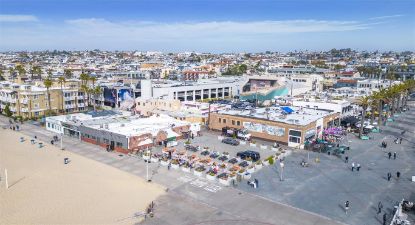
x,y
384,217
357,166
390,155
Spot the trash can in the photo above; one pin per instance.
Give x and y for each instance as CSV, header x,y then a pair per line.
x,y
66,160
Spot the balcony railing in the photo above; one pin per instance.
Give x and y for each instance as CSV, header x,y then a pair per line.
x,y
24,110
24,101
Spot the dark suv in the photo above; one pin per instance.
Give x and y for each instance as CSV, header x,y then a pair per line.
x,y
249,154
230,141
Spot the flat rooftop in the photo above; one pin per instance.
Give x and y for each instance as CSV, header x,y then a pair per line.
x,y
300,115
135,126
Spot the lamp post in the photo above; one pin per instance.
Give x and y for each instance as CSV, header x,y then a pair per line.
x,y
282,170
61,141
148,152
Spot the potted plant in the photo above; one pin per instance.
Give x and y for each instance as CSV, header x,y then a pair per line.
x,y
251,169
175,164
186,168
225,180
164,162
258,165
211,175
199,171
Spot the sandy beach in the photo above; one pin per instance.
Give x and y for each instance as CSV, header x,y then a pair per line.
x,y
43,190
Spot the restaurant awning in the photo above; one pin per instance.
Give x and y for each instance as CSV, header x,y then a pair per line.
x,y
287,109
171,135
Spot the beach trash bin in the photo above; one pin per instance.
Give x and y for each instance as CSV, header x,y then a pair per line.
x,y
21,139
40,144
66,160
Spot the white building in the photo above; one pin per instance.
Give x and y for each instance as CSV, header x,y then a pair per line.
x,y
339,106
190,91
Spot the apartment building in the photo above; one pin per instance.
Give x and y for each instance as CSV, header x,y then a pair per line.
x,y
31,101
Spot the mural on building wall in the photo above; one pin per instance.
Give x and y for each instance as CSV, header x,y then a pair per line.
x,y
271,130
136,141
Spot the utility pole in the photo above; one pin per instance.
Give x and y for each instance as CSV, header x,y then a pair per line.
x,y
282,171
7,182
147,162
61,141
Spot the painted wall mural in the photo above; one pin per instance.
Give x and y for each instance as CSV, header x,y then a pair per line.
x,y
260,128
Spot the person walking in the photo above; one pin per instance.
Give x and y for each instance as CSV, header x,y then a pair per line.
x,y
398,174
394,155
380,206
346,206
358,167
384,218
352,166
400,140
389,176
256,182
389,155
346,159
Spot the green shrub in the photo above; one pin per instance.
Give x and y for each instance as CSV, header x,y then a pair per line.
x,y
270,160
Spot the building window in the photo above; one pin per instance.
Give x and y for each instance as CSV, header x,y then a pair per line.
x,y
119,144
238,123
49,125
224,120
220,120
233,122
294,139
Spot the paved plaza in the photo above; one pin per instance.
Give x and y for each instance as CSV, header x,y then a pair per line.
x,y
313,195
324,187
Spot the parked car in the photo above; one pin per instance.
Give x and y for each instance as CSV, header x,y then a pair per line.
x,y
243,164
214,155
192,148
205,153
230,141
223,158
249,154
233,160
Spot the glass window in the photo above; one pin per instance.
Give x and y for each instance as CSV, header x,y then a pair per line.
x,y
295,133
233,122
220,120
224,120
294,139
119,144
238,123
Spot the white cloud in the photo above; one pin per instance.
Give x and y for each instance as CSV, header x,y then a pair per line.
x,y
385,17
17,18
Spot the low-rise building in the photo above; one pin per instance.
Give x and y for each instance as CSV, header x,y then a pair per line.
x,y
286,125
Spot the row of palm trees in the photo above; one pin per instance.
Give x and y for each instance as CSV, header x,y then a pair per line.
x,y
395,97
85,88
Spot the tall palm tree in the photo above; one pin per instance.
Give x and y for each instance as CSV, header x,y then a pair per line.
x,y
1,74
93,79
380,98
49,73
373,106
67,73
61,81
364,103
48,83
84,85
20,69
96,92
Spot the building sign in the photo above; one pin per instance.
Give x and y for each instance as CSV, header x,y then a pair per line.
x,y
271,130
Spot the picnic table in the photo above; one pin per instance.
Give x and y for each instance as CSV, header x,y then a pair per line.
x,y
365,138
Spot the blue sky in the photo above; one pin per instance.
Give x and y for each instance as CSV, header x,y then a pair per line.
x,y
207,25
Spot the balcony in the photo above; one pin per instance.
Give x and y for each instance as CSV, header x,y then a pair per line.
x,y
13,109
24,110
24,100
69,98
70,106
81,105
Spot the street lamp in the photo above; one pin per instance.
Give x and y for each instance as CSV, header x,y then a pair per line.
x,y
282,170
148,152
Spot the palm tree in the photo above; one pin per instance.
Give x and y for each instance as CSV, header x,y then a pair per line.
x,y
49,73
67,73
96,92
12,73
364,102
84,85
61,81
93,79
373,105
20,69
380,98
1,74
48,83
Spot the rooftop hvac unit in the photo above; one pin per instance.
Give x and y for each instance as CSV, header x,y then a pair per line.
x,y
106,126
297,121
122,125
101,126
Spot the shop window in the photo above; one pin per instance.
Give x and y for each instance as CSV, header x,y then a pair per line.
x,y
119,144
238,123
295,133
224,120
233,122
220,120
294,139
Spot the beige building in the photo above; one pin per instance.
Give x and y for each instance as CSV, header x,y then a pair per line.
x,y
31,101
274,124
